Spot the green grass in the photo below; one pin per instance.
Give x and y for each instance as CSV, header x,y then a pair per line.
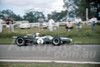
x,y
6,41
86,40
82,36
46,65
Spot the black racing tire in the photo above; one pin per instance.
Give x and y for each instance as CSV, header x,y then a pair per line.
x,y
20,41
56,41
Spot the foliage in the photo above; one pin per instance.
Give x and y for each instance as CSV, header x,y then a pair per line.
x,y
9,13
32,16
57,16
72,8
83,4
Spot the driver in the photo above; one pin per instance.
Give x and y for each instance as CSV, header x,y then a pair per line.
x,y
37,34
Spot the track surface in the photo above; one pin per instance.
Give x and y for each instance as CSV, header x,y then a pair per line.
x,y
77,53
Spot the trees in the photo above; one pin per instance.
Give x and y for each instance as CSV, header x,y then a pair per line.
x,y
96,8
9,13
32,15
92,5
70,7
57,16
80,6
81,10
29,16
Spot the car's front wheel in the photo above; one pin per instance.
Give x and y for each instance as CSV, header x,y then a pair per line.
x,y
20,41
56,41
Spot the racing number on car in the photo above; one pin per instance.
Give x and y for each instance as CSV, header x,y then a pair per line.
x,y
40,41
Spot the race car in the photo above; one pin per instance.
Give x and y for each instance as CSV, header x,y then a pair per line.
x,y
35,39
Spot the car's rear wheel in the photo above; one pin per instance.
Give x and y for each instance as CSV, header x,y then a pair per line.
x,y
20,41
56,41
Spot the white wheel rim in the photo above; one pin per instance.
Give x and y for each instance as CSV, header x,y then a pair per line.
x,y
18,41
55,41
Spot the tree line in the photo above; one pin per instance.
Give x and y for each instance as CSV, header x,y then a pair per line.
x,y
73,8
29,16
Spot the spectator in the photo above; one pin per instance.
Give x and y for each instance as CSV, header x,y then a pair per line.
x,y
51,22
78,23
12,24
7,24
40,20
69,26
1,25
93,20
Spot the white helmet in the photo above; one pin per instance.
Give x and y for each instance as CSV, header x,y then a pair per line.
x,y
37,34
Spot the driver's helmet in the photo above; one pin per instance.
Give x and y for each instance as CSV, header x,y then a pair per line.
x,y
37,34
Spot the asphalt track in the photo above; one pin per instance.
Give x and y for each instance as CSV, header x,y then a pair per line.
x,y
49,53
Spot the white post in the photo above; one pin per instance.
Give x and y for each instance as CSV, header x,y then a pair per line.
x,y
87,14
67,16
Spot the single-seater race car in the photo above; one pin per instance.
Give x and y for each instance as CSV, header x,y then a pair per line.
x,y
35,39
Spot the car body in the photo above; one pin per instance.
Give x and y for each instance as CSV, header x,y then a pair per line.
x,y
35,39
55,25
45,25
25,24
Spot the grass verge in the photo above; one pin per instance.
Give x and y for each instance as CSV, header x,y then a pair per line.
x,y
46,65
82,36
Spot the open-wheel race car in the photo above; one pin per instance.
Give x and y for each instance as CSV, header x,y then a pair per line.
x,y
35,39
